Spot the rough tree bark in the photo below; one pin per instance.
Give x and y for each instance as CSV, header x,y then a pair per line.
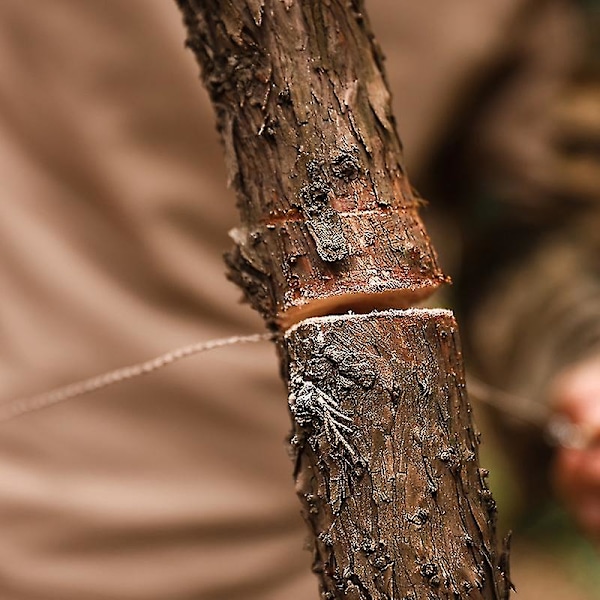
x,y
386,459
304,113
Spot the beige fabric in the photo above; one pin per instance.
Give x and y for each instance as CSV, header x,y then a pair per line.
x,y
113,217
441,54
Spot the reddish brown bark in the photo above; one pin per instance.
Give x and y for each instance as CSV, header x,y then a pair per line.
x,y
304,112
386,459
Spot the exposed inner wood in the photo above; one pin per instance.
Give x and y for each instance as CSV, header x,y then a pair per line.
x,y
358,302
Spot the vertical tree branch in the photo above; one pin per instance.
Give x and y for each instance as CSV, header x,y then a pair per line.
x,y
386,458
304,113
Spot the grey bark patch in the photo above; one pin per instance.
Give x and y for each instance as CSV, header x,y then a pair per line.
x,y
322,220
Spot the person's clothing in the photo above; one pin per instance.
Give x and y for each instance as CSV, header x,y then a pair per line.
x,y
113,218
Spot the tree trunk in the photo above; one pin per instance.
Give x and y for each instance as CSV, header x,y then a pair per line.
x,y
386,460
304,113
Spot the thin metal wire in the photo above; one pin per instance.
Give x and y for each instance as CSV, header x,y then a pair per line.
x,y
20,406
518,407
558,430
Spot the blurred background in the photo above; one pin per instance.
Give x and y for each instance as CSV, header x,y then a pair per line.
x,y
498,107
113,219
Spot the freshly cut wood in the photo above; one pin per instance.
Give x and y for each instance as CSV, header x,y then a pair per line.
x,y
386,459
304,113
380,271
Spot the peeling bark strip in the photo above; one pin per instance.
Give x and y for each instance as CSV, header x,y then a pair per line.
x,y
304,113
386,459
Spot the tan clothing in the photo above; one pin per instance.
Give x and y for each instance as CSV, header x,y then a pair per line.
x,y
113,217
